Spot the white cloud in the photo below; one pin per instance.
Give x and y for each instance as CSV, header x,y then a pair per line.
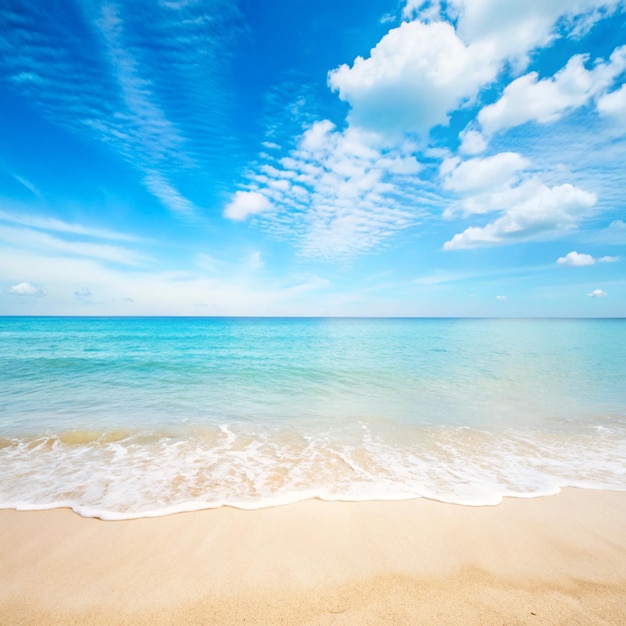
x,y
512,29
486,184
25,289
208,263
255,261
119,292
414,77
388,18
534,211
246,203
280,184
168,195
117,96
472,142
348,192
576,259
501,298
28,185
244,266
49,223
35,240
529,99
614,104
423,9
479,174
597,293
343,192
318,137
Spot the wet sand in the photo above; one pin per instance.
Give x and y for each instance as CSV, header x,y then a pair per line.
x,y
552,560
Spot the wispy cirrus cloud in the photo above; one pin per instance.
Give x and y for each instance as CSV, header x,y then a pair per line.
x,y
245,289
56,238
52,224
29,239
93,69
27,185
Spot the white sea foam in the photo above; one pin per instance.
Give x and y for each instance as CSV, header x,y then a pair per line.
x,y
120,418
143,474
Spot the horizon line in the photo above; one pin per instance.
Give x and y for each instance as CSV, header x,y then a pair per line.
x,y
321,317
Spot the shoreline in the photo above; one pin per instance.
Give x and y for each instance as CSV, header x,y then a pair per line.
x,y
86,512
544,560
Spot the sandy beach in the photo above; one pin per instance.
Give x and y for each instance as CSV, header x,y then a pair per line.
x,y
552,560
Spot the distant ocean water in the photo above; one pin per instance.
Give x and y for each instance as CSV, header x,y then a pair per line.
x,y
133,417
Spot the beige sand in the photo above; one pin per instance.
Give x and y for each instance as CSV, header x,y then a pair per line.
x,y
555,560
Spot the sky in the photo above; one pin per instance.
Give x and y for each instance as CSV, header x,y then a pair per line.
x,y
224,157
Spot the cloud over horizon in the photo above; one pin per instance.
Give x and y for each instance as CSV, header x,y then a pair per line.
x,y
25,289
597,293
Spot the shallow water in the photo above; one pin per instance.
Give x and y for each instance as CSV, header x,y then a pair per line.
x,y
120,418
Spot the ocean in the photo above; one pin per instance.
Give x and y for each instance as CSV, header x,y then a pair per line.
x,y
122,418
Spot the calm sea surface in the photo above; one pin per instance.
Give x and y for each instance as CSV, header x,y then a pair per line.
x,y
121,418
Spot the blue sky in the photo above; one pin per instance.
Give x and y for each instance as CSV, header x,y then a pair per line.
x,y
191,157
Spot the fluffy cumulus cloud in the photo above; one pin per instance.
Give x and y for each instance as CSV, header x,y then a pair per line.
x,y
472,142
426,68
614,104
529,99
503,184
511,29
25,289
480,174
574,259
413,78
246,203
597,293
532,210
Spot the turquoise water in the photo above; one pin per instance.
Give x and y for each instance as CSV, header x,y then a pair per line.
x,y
120,418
